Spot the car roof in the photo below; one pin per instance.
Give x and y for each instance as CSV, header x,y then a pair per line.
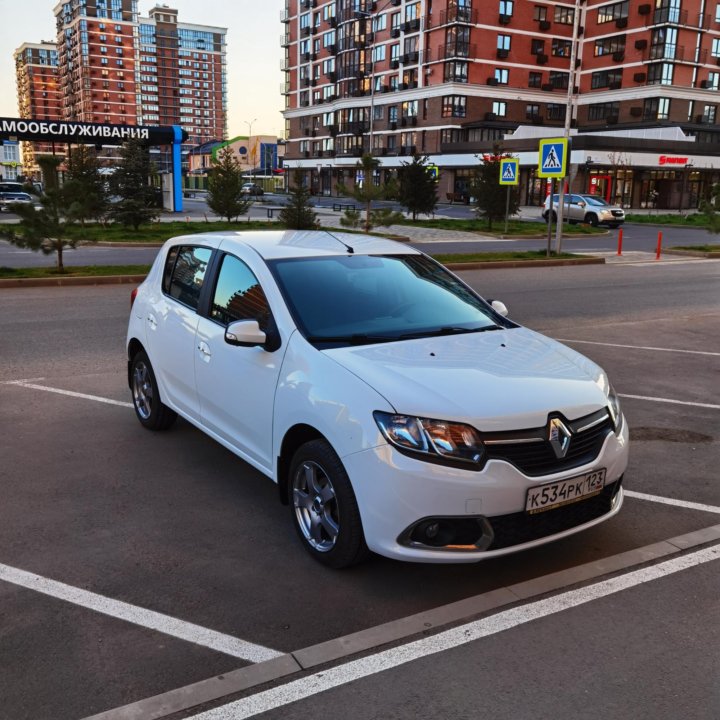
x,y
276,244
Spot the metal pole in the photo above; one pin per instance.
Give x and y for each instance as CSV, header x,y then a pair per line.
x,y
507,208
549,216
568,120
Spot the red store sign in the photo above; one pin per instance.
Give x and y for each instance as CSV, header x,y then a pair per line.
x,y
670,160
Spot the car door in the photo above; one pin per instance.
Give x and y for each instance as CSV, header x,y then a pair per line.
x,y
236,385
171,325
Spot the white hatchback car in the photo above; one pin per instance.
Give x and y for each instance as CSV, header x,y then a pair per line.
x,y
396,410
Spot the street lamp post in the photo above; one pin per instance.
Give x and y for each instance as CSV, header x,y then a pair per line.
x,y
252,150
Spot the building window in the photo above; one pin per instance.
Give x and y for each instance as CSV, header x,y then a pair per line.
x,y
540,13
454,106
532,112
534,79
561,48
715,52
501,76
603,111
660,73
608,46
555,111
709,114
456,71
611,13
537,47
503,42
606,79
663,43
713,81
499,108
564,15
559,79
656,109
667,11
506,7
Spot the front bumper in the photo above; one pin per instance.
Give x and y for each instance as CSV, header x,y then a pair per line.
x,y
395,492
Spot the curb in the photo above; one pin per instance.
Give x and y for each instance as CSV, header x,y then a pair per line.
x,y
712,255
504,264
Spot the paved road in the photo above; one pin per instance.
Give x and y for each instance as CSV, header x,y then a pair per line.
x,y
174,524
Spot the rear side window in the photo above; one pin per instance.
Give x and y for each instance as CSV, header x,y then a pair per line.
x,y
184,273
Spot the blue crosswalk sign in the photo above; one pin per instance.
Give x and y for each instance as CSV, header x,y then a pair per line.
x,y
552,159
509,171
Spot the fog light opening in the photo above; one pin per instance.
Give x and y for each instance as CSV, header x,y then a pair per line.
x,y
449,533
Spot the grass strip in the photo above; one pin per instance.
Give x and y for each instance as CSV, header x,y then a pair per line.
x,y
515,227
74,271
528,255
698,248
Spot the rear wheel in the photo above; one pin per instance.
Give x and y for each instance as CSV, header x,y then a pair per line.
x,y
150,410
324,508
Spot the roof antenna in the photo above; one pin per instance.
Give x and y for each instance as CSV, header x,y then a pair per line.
x,y
347,247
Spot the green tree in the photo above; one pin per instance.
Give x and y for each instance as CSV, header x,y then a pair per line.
x,y
298,213
84,188
47,229
224,196
709,208
491,196
418,187
368,191
137,202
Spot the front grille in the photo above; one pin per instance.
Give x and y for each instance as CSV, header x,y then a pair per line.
x,y
618,213
538,458
521,527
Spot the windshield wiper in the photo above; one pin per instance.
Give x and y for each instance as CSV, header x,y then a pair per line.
x,y
448,331
356,339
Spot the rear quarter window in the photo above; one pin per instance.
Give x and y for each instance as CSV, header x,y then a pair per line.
x,y
184,273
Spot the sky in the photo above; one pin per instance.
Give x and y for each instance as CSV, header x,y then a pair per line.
x,y
253,53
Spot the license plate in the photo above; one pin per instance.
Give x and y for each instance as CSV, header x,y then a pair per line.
x,y
564,492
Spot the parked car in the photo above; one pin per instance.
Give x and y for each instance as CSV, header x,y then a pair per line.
x,y
251,189
7,199
589,209
396,409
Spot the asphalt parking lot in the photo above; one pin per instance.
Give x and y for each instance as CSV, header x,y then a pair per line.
x,y
133,564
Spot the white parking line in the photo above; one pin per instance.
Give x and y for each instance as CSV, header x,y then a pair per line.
x,y
150,619
642,347
70,393
672,501
669,400
387,660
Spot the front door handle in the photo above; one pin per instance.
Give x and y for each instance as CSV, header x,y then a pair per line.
x,y
204,349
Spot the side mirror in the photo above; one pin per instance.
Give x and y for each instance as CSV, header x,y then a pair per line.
x,y
499,307
582,204
245,333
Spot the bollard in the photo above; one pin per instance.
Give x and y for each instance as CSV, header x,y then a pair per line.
x,y
659,246
620,242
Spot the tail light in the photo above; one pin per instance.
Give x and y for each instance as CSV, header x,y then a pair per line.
x,y
133,295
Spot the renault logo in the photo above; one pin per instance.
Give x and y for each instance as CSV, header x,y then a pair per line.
x,y
559,437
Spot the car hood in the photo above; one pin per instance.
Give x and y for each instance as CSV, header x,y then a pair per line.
x,y
499,380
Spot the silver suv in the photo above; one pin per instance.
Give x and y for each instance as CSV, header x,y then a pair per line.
x,y
586,208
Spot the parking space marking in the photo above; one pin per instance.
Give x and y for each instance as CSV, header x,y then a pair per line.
x,y
70,393
643,347
448,640
670,400
671,501
219,642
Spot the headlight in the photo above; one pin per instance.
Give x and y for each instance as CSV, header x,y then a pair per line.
x,y
433,438
615,409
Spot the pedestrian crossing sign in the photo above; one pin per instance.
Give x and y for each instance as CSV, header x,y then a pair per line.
x,y
509,171
552,158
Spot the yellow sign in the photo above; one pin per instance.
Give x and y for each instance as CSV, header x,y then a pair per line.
x,y
509,171
552,158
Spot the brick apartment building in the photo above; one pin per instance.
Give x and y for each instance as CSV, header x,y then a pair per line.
x,y
449,78
113,66
38,91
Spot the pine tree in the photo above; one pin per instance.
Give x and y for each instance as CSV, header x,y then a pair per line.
x,y
491,196
418,187
84,188
130,182
225,197
298,213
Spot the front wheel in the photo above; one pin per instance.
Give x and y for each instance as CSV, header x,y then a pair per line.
x,y
149,409
324,508
591,219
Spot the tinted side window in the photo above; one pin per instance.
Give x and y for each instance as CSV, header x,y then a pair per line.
x,y
238,295
185,274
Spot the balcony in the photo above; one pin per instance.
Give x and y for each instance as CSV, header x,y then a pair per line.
x,y
462,15
456,50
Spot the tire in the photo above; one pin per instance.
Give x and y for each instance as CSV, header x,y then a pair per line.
x,y
591,219
149,409
324,508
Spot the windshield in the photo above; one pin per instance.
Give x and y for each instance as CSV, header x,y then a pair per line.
x,y
359,299
592,200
